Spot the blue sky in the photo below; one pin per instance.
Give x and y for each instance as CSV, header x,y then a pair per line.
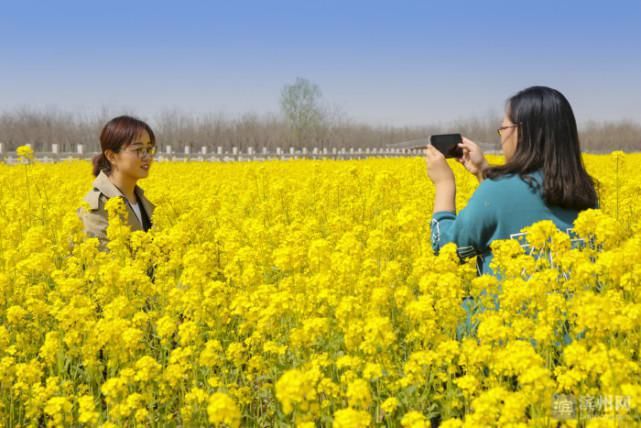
x,y
397,63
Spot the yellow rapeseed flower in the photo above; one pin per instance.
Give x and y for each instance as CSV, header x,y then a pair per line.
x,y
223,410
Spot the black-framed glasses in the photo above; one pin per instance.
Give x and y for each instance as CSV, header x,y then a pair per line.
x,y
498,131
142,151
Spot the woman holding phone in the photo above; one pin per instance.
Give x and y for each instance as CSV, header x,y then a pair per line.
x,y
127,149
543,178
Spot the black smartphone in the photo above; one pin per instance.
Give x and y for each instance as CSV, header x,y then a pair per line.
x,y
448,144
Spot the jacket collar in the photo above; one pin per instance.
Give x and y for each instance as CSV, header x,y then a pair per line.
x,y
107,188
146,203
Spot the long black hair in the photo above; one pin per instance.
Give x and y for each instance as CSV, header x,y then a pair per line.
x,y
548,140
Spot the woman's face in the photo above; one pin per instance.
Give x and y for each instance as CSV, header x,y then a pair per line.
x,y
134,160
509,137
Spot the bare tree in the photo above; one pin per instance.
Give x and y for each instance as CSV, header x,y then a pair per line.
x,y
330,128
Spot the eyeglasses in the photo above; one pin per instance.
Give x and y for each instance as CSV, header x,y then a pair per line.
x,y
498,131
142,151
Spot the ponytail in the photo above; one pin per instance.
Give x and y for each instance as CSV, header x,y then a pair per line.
x,y
101,163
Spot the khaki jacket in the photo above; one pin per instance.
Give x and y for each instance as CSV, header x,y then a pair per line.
x,y
95,218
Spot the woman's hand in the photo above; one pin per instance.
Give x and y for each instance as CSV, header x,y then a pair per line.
x,y
437,168
443,178
473,159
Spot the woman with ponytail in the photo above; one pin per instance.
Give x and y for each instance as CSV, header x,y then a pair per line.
x,y
127,149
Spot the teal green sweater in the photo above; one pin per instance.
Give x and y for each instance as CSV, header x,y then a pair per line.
x,y
498,209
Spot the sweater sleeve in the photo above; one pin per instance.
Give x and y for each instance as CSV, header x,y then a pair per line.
x,y
472,229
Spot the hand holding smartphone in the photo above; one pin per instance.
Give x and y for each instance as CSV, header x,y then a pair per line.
x,y
448,144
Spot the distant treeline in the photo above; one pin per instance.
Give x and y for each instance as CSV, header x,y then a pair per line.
x,y
41,129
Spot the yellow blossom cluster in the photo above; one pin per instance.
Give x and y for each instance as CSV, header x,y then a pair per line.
x,y
306,293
